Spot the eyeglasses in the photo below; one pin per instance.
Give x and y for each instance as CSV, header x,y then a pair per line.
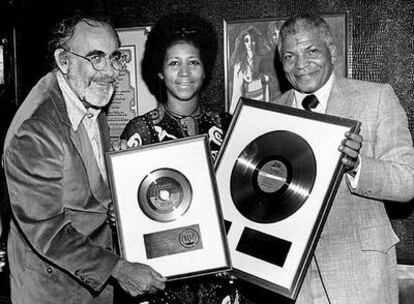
x,y
99,62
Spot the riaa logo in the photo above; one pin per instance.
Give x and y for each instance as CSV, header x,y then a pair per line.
x,y
189,238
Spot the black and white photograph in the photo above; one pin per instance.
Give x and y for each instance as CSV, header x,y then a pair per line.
x,y
206,152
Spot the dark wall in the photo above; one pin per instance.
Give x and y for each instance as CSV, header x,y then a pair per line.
x,y
381,39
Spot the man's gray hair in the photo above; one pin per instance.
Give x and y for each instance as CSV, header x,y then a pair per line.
x,y
302,22
65,29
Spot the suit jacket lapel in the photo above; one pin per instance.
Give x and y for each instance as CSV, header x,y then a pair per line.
x,y
97,184
80,140
286,99
104,129
342,99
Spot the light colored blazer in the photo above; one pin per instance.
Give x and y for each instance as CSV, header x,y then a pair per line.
x,y
356,250
60,247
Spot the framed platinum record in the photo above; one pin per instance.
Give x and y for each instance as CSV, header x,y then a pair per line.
x,y
167,208
277,178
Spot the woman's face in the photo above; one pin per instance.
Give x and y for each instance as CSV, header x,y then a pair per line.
x,y
183,72
249,42
274,35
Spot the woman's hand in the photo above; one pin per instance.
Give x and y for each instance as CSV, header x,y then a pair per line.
x,y
120,145
110,214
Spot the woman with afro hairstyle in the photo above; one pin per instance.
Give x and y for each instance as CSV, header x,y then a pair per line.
x,y
179,57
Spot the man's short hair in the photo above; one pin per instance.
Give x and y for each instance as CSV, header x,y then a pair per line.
x,y
302,22
65,29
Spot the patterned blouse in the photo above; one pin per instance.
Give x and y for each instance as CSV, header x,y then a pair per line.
x,y
162,125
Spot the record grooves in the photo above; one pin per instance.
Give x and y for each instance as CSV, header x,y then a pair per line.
x,y
273,176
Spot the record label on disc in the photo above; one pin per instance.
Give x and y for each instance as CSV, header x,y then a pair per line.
x,y
164,194
273,176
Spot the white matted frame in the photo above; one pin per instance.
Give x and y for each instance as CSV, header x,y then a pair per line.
x,y
265,31
286,244
190,243
132,96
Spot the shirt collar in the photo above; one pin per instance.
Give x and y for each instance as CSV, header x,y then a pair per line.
x,y
76,109
322,94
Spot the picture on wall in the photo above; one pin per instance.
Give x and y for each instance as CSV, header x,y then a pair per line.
x,y
251,62
132,96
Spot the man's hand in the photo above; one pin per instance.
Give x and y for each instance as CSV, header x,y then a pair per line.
x,y
350,146
136,278
120,145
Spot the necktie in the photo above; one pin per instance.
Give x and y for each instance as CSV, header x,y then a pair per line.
x,y
310,102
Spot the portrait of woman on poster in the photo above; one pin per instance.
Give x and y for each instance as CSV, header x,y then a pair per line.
x,y
249,79
273,33
271,65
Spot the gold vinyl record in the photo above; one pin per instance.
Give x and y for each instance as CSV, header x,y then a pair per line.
x,y
164,195
273,176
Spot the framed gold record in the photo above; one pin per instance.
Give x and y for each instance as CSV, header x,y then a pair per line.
x,y
277,177
168,213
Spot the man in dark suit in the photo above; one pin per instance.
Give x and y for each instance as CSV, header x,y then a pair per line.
x,y
355,260
60,245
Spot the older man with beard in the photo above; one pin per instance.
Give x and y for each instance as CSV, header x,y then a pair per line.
x,y
60,245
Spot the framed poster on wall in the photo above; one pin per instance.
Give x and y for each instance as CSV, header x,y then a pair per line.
x,y
262,78
131,97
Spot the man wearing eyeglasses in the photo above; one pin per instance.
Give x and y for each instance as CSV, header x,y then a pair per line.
x,y
60,245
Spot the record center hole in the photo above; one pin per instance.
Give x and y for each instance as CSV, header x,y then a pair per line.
x,y
164,195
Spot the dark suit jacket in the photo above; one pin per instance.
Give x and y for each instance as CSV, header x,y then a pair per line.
x,y
60,247
356,251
